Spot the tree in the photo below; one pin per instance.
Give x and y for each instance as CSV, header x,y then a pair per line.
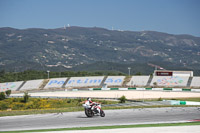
x,y
2,72
138,73
8,92
26,97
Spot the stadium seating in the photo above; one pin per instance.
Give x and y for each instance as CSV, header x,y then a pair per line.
x,y
55,83
84,81
114,80
138,81
32,84
10,86
169,81
195,82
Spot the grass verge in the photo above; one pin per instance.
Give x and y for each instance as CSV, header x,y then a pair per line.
x,y
110,127
39,111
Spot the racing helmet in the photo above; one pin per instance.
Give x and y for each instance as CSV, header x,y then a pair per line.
x,y
89,99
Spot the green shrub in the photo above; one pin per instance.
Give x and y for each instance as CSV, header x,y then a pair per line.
x,y
18,106
155,83
122,99
2,96
79,100
30,105
3,106
69,101
8,92
160,99
15,100
36,103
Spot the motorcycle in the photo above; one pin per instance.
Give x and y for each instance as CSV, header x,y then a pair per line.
x,y
90,111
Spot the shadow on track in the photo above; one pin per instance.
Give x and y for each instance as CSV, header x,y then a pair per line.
x,y
87,117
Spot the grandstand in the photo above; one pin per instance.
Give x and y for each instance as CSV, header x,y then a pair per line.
x,y
55,83
138,81
157,82
84,81
32,84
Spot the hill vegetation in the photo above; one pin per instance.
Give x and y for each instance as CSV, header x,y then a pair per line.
x,y
96,49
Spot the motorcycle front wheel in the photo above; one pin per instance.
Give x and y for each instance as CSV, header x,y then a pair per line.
x,y
102,114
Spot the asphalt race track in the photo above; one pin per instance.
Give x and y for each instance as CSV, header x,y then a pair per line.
x,y
113,117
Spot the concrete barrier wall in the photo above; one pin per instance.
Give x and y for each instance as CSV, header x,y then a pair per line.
x,y
195,90
84,81
10,86
141,89
32,84
114,80
176,89
157,89
55,83
138,81
175,102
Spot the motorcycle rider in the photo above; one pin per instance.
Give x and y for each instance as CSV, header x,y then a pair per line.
x,y
90,103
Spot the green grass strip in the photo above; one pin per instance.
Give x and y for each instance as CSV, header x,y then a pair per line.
x,y
110,127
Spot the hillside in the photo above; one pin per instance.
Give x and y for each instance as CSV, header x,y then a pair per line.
x,y
73,48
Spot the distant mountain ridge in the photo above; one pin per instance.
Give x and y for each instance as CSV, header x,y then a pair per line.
x,y
71,48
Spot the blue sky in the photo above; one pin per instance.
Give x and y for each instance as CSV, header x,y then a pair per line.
x,y
170,16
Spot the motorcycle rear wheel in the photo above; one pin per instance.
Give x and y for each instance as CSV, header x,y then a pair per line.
x,y
89,113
